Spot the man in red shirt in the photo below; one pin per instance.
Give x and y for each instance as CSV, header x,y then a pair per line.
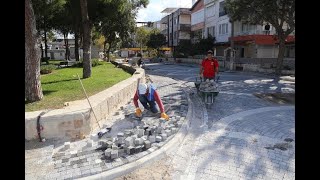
x,y
148,96
209,67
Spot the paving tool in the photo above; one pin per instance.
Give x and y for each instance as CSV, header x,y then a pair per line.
x,y
102,131
135,117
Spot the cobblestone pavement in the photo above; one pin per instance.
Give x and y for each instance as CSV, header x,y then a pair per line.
x,y
55,160
239,137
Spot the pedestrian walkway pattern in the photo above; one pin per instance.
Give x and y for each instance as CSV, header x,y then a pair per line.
x,y
88,156
239,137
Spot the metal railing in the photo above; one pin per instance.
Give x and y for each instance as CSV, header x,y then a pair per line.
x,y
253,32
185,27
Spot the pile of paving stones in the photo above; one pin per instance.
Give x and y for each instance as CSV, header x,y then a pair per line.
x,y
140,138
208,86
129,140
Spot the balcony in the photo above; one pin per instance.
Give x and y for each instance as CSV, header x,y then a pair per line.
x,y
222,13
184,11
164,31
252,32
164,20
184,27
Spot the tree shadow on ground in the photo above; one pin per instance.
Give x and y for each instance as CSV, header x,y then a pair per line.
x,y
278,98
58,81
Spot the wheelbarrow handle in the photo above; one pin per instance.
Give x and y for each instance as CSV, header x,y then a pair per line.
x,y
217,79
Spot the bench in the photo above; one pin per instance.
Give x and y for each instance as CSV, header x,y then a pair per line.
x,y
65,63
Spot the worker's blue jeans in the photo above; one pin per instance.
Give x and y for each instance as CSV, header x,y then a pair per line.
x,y
149,105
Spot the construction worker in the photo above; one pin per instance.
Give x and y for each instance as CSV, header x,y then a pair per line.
x,y
209,67
148,97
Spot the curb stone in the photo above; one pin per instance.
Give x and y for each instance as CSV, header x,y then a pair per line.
x,y
159,153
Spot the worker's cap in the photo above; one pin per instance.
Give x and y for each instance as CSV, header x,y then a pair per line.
x,y
142,88
210,52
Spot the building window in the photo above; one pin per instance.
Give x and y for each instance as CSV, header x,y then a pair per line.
x,y
176,20
211,31
203,32
247,27
222,9
210,11
223,28
175,35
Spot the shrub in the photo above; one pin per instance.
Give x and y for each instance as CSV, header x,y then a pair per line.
x,y
46,69
45,59
94,62
78,64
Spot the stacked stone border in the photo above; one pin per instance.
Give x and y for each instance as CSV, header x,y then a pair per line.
x,y
76,119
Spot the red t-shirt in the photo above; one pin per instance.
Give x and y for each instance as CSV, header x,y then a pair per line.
x,y
209,67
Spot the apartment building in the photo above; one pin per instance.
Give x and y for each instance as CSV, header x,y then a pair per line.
x,y
177,25
197,21
257,41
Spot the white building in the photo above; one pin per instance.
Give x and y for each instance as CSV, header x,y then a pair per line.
x,y
217,24
56,50
254,41
178,25
197,21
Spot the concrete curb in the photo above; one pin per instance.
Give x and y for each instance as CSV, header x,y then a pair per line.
x,y
166,149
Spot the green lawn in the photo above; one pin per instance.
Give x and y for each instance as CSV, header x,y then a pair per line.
x,y
62,85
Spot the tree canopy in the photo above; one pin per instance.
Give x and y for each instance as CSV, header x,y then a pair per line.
x,y
279,13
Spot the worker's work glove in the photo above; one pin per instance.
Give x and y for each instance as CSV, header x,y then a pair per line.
x,y
138,112
165,116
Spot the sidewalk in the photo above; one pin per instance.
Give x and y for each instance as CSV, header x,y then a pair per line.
x,y
239,137
54,160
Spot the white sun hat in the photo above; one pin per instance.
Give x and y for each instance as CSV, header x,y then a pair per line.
x,y
142,88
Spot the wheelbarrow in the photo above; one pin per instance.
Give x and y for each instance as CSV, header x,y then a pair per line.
x,y
197,83
208,97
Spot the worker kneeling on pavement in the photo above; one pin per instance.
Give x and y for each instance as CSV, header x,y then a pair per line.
x,y
148,97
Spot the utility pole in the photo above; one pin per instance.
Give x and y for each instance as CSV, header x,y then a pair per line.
x,y
232,55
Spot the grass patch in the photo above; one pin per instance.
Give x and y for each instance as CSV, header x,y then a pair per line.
x,y
63,85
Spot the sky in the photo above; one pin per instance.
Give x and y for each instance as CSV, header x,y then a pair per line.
x,y
153,11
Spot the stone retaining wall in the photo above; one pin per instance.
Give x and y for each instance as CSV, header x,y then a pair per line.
x,y
77,118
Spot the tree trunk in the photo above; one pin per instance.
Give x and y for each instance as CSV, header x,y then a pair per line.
x,y
280,55
65,45
68,49
86,39
108,52
76,44
141,48
33,90
45,38
41,50
104,50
